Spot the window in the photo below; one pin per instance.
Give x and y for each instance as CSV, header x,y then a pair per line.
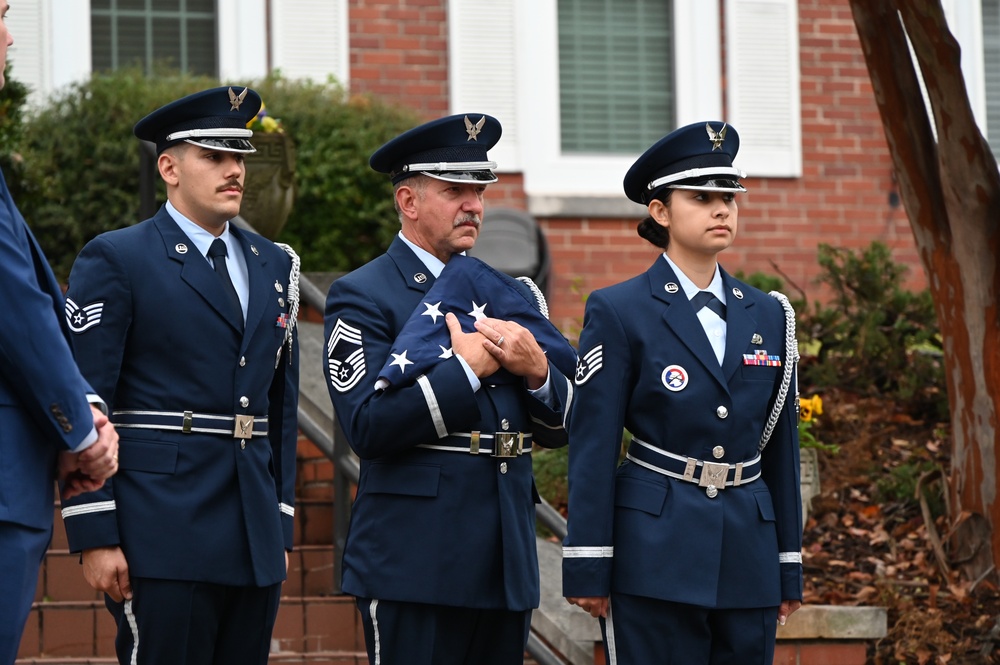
x,y
616,83
181,33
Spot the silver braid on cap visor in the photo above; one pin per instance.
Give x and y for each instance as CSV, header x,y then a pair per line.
x,y
696,173
449,166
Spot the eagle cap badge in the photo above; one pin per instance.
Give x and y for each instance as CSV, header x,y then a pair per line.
x,y
716,137
237,100
473,130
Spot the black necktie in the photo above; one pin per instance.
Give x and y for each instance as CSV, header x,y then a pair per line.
x,y
217,252
708,299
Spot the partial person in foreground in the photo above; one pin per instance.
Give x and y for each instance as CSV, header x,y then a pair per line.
x,y
689,550
53,425
187,324
444,374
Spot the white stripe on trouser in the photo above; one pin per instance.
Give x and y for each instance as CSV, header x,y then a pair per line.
x,y
134,627
609,628
378,648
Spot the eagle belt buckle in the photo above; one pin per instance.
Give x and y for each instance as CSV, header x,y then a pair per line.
x,y
243,429
713,478
506,444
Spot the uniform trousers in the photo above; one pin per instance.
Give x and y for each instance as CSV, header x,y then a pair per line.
x,y
640,631
398,633
21,551
169,622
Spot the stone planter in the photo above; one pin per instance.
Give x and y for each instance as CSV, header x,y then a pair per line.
x,y
808,478
269,188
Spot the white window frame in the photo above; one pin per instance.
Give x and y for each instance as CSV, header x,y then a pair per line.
x,y
553,179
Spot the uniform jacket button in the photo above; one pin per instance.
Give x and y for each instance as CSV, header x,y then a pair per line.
x,y
243,361
718,452
722,412
244,401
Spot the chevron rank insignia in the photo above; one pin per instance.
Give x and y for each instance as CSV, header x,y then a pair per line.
x,y
589,364
83,318
345,356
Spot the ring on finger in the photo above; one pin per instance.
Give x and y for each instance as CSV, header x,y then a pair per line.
x,y
500,341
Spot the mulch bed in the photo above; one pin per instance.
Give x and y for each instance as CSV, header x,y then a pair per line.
x,y
867,540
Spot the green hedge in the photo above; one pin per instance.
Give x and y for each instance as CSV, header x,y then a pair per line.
x,y
80,174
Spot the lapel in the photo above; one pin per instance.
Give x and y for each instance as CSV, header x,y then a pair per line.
x,y
260,293
681,319
741,323
195,269
412,270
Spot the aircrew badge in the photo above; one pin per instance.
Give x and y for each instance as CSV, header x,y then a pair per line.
x,y
345,356
589,364
83,318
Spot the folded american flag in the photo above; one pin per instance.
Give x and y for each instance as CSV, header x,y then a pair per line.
x,y
471,290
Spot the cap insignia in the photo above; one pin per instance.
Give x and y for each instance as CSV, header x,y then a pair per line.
x,y
716,137
236,100
473,130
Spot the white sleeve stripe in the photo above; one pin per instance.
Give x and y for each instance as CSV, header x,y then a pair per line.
x,y
544,424
789,557
432,406
588,552
569,401
285,508
87,508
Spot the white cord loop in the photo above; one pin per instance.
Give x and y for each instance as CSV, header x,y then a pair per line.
x,y
791,366
293,295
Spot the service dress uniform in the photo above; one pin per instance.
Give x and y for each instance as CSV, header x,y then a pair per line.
x,y
43,410
696,534
443,520
203,392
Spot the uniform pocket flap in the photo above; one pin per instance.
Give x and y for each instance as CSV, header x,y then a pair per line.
x,y
407,479
150,456
764,505
640,495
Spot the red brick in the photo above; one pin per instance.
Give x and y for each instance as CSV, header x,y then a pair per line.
x,y
832,653
31,637
289,627
64,578
331,624
106,630
67,630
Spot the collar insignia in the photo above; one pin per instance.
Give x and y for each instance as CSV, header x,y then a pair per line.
x,y
473,130
716,137
235,99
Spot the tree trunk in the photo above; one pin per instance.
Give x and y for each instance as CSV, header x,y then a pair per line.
x,y
950,187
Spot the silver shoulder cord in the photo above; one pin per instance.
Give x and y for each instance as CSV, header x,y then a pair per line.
x,y
539,296
293,295
791,367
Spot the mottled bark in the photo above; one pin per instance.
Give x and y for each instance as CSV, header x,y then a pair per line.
x,y
950,187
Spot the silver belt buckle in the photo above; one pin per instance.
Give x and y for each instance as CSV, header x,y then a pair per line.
x,y
243,428
713,477
505,444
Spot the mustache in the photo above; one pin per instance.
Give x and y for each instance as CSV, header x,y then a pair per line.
x,y
468,219
232,184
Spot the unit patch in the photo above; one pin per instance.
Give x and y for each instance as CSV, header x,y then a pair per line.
x,y
346,356
83,318
674,378
589,364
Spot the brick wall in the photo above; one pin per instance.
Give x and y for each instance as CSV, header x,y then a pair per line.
x,y
399,51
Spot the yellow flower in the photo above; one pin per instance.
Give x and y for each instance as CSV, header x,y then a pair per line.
x,y
810,407
262,122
